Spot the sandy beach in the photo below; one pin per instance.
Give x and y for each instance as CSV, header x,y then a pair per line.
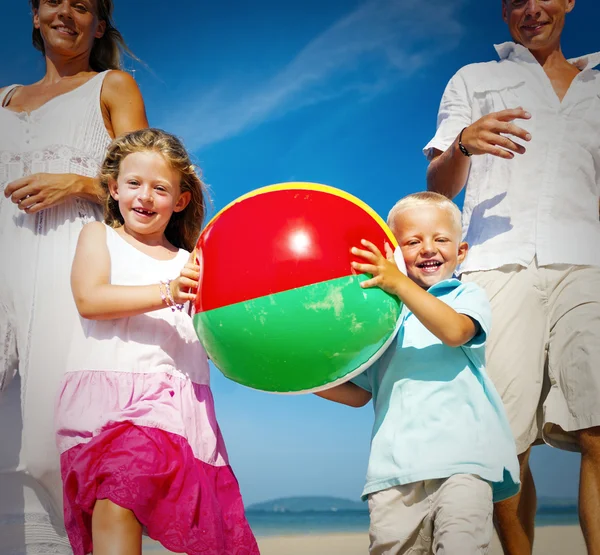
x,y
550,540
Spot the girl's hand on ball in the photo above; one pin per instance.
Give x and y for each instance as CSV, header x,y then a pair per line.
x,y
184,288
383,268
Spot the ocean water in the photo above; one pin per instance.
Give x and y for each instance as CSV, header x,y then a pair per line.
x,y
278,524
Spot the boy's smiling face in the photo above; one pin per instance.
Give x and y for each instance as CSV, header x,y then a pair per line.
x,y
429,237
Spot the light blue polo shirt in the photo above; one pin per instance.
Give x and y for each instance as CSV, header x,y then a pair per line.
x,y
436,411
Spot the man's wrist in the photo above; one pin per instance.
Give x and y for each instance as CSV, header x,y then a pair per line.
x,y
462,147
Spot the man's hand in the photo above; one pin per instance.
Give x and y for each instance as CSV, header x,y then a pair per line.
x,y
493,134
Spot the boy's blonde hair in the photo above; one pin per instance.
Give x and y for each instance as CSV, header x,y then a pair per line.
x,y
184,227
426,198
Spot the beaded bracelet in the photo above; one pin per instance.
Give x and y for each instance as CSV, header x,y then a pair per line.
x,y
163,296
174,305
168,299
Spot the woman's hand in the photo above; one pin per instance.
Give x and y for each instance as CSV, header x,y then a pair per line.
x,y
184,288
43,190
386,274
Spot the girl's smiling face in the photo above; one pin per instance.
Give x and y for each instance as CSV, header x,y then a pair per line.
x,y
148,192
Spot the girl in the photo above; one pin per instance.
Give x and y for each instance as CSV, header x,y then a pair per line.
x,y
136,428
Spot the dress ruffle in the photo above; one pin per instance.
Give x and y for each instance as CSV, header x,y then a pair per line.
x,y
187,505
91,400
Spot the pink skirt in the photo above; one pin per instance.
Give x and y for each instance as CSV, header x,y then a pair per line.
x,y
187,505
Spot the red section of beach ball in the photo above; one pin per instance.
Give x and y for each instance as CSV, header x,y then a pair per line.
x,y
280,238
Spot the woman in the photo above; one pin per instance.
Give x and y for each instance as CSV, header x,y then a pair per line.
x,y
53,136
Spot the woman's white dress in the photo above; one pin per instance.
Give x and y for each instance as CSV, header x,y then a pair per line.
x,y
37,311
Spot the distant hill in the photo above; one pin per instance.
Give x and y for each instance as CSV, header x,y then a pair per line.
x,y
307,504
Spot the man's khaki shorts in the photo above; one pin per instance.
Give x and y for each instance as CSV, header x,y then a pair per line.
x,y
446,517
543,352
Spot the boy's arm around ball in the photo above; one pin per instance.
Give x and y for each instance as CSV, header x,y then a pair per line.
x,y
450,327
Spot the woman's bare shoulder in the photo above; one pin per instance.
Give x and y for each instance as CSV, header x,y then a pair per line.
x,y
119,88
117,79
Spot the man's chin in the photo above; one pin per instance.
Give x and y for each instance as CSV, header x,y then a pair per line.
x,y
540,41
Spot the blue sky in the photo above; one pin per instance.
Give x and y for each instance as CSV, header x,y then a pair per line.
x,y
337,92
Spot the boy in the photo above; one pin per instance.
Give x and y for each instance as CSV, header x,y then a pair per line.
x,y
441,451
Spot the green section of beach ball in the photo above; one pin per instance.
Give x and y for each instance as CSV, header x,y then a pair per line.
x,y
300,339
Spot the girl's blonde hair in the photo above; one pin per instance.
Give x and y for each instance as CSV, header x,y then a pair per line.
x,y
184,227
107,51
422,198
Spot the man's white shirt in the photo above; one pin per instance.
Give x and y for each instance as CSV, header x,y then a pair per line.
x,y
545,202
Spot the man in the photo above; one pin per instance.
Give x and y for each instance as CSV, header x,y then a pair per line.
x,y
523,135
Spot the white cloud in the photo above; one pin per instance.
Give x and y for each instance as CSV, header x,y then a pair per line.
x,y
364,53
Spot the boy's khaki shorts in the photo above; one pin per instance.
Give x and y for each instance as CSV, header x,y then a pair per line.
x,y
447,517
543,352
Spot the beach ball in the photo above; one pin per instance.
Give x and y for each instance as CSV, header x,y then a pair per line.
x,y
280,308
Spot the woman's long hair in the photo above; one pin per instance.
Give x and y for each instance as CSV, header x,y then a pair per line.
x,y
107,51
